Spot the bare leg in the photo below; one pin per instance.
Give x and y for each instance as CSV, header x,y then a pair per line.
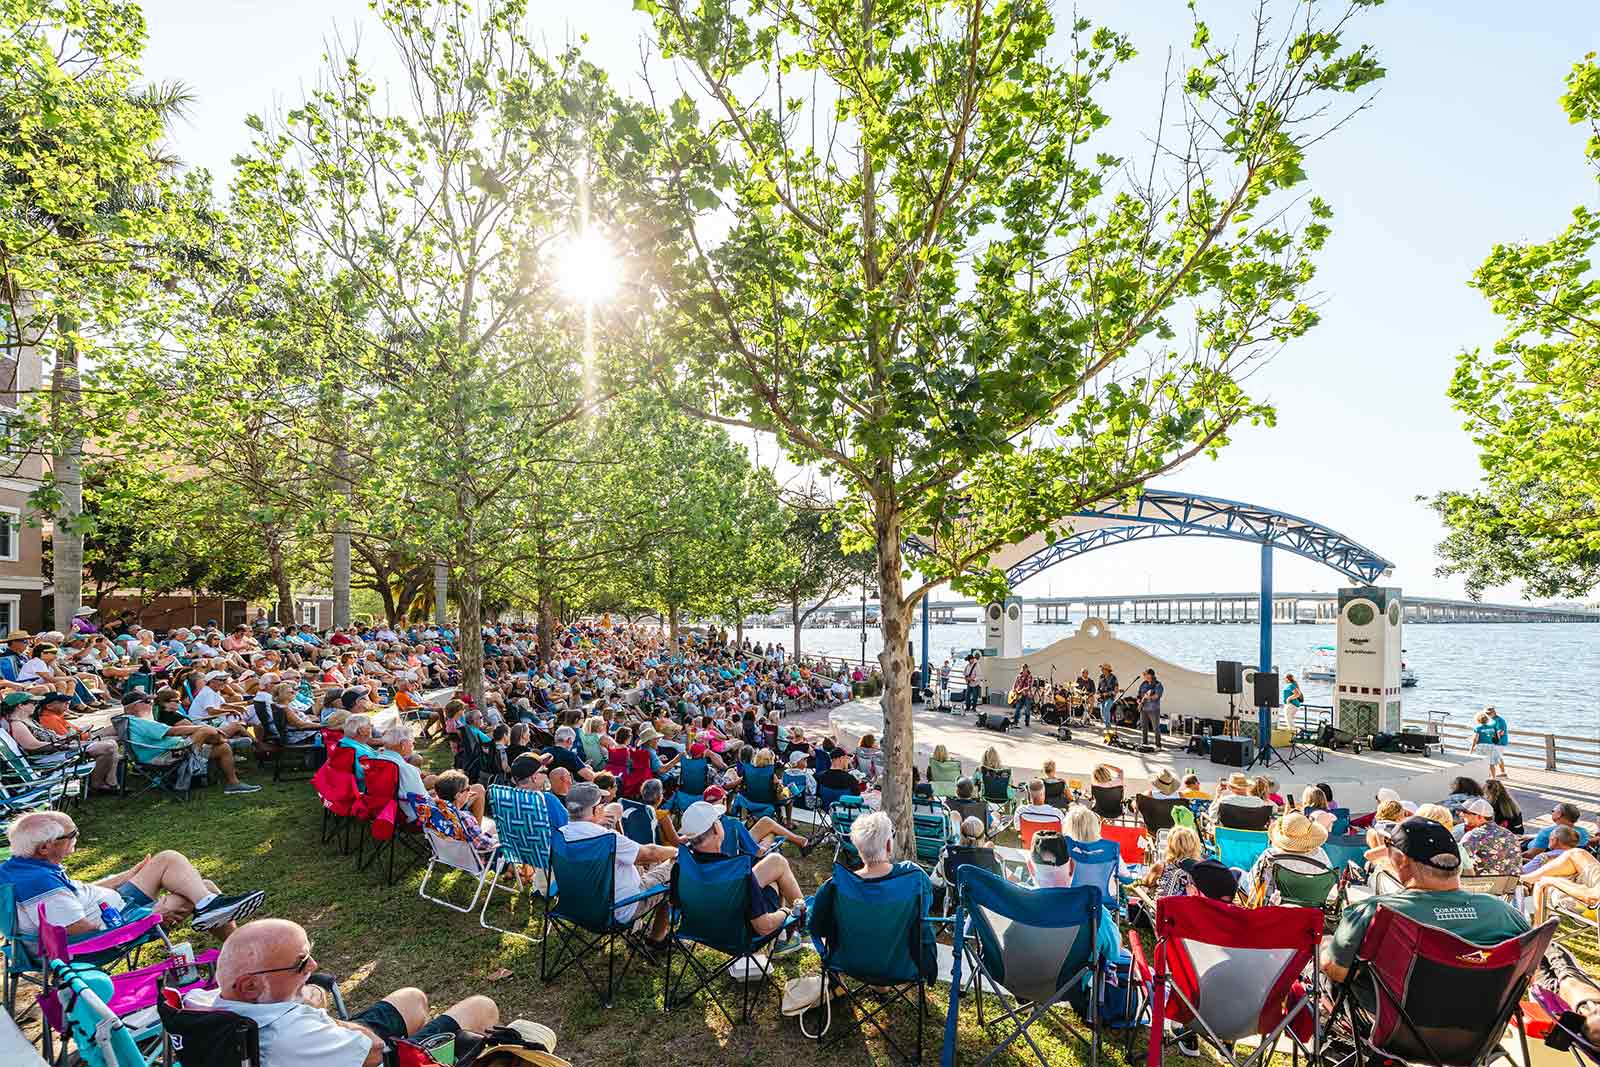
x,y
775,870
766,828
476,1014
171,872
412,1004
222,752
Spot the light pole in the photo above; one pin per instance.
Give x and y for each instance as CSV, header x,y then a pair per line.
x,y
863,625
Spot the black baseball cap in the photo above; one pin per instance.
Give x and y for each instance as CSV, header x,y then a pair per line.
x,y
1214,879
136,696
53,698
1426,842
524,767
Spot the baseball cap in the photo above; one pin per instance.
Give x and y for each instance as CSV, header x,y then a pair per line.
x,y
212,676
714,794
1426,842
524,767
54,698
135,696
700,817
1479,806
1214,879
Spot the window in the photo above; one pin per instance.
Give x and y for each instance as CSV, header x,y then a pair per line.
x,y
10,533
10,611
311,614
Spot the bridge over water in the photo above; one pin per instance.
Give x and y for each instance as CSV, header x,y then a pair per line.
x,y
1203,608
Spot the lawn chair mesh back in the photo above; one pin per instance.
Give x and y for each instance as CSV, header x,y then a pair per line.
x,y
1030,947
522,823
691,783
874,933
842,816
1240,848
1343,851
1028,825
757,797
208,1037
959,856
996,784
944,774
1440,999
711,903
1095,864
335,783
638,822
101,1038
1302,881
1107,801
931,823
1156,812
1232,972
102,948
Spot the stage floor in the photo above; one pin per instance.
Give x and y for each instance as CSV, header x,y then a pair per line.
x,y
1355,778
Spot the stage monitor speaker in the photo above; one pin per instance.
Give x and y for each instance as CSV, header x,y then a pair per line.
x,y
1266,690
998,721
1232,751
1230,676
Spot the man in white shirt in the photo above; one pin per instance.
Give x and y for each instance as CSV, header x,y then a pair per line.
x,y
638,867
1036,811
262,973
209,698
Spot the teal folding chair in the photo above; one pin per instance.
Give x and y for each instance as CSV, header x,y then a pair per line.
x,y
101,948
1240,848
580,917
101,1037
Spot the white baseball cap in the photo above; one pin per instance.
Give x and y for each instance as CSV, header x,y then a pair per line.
x,y
214,675
699,818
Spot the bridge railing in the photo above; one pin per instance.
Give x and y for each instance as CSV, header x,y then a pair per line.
x,y
1551,752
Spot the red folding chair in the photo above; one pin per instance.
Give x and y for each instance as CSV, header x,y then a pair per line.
x,y
335,783
1436,998
1127,839
378,811
1232,973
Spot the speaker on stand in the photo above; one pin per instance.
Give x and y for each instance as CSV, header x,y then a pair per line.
x,y
1230,682
1265,691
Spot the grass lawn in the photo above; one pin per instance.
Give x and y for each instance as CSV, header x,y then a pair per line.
x,y
377,938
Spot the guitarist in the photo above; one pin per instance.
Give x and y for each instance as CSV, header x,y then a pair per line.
x,y
1105,691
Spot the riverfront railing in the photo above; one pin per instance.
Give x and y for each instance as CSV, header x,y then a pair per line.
x,y
1552,752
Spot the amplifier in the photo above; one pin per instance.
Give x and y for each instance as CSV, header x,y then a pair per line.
x,y
997,721
1232,751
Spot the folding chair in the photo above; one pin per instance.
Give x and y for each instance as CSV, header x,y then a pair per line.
x,y
168,770
1097,865
756,797
336,785
692,782
1028,825
18,771
1232,973
1056,795
875,935
1240,848
842,816
309,753
1032,948
522,821
1508,887
102,948
1305,882
711,905
378,810
1108,802
580,916
1182,815
457,855
214,1037
1156,813
996,787
101,1036
1343,851
132,994
931,824
943,774
959,856
1565,1030
1437,999
1127,839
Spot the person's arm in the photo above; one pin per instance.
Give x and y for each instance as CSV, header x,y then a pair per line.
x,y
650,855
117,881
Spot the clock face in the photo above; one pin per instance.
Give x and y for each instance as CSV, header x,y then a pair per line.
x,y
1360,613
1013,612
994,611
1394,613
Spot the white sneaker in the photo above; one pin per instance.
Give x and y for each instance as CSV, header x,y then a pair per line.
x,y
228,909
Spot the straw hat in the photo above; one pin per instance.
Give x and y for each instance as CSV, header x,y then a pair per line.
x,y
1296,833
1166,781
18,635
1239,780
647,734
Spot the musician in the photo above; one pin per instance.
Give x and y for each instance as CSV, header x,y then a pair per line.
x,y
1085,686
1150,693
1105,691
971,675
1022,697
944,682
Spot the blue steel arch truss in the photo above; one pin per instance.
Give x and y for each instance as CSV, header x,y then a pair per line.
x,y
1166,513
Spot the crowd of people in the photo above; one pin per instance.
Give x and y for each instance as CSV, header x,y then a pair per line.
x,y
609,720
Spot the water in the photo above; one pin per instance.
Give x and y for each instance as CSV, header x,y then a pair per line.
x,y
1543,677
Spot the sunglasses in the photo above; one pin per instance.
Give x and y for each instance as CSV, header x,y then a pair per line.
x,y
297,967
70,835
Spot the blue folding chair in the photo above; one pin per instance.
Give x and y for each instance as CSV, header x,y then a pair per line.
x,y
638,822
711,908
930,820
581,917
1097,864
756,797
1240,848
1345,850
842,816
522,822
692,782
1032,948
876,935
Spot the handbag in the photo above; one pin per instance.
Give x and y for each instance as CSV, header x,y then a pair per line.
x,y
802,994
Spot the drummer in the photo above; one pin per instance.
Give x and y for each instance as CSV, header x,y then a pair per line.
x,y
1085,688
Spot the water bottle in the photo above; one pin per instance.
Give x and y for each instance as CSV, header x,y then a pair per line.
x,y
109,916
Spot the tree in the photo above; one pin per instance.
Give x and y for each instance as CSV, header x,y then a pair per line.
x,y
815,567
1532,406
441,221
746,564
922,271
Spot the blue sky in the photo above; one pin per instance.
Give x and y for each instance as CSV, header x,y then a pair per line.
x,y
1464,146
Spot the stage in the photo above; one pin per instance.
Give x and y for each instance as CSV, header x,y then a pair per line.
x,y
1355,779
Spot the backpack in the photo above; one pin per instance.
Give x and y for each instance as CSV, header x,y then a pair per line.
x,y
1119,995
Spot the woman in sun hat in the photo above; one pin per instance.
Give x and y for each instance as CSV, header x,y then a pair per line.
x,y
1292,834
1164,786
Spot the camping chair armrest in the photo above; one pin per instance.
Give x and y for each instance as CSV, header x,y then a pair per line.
x,y
1141,966
658,891
116,937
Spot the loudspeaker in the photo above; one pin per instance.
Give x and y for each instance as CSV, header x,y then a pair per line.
x,y
1266,692
1232,751
998,722
1230,676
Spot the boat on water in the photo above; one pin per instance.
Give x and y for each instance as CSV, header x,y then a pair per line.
x,y
1325,660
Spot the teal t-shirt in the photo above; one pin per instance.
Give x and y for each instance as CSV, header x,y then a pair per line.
x,y
150,738
1476,917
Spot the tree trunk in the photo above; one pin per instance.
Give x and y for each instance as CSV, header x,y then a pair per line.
x,y
280,581
341,542
469,594
894,620
545,635
672,628
385,591
738,627
794,608
67,466
441,589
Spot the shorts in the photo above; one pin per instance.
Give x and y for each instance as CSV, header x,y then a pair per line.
x,y
385,1020
1493,753
133,896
